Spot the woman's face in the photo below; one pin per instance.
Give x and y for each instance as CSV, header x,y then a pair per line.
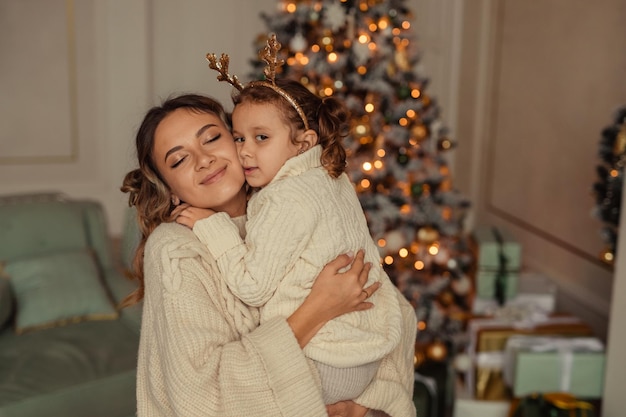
x,y
197,158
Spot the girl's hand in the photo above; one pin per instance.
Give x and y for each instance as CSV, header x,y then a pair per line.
x,y
188,215
346,409
333,293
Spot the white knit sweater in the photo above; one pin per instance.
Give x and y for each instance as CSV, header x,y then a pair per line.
x,y
297,224
198,357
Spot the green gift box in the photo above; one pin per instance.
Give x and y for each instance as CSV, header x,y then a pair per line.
x,y
555,364
486,284
491,244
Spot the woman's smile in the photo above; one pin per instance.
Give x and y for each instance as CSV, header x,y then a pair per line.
x,y
214,177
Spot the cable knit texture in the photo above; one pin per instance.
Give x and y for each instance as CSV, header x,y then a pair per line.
x,y
298,223
197,353
198,356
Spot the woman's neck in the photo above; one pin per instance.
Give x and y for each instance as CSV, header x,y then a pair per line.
x,y
237,206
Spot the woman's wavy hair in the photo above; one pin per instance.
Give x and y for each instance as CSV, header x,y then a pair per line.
x,y
147,190
327,116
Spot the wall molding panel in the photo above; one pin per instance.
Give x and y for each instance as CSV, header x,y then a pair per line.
x,y
39,104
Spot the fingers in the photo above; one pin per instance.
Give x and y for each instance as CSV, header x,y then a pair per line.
x,y
368,291
365,294
364,274
359,260
179,209
365,305
339,262
337,409
345,259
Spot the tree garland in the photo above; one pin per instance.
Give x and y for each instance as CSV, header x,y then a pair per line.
x,y
608,187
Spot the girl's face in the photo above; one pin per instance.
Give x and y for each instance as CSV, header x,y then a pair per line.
x,y
197,158
263,141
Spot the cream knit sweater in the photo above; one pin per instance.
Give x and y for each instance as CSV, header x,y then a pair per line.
x,y
297,224
198,357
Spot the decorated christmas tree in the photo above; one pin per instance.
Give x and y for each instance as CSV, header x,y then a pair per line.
x,y
608,187
362,52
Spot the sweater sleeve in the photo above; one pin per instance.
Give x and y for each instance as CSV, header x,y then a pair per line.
x,y
276,236
391,391
192,359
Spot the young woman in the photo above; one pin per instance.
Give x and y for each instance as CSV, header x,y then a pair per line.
x,y
202,352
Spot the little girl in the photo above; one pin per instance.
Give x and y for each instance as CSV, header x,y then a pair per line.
x,y
304,211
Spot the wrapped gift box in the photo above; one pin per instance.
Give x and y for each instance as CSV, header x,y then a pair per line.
x,y
493,242
555,364
491,334
498,262
489,377
466,404
534,291
486,284
488,335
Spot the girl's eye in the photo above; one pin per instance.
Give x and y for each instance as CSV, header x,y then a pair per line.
x,y
261,138
239,139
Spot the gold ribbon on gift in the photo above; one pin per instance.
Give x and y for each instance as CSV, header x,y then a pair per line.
x,y
490,383
570,403
554,402
494,339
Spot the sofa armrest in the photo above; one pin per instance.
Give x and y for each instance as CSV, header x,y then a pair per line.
x,y
120,286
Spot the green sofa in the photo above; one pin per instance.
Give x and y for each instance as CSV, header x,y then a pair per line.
x,y
66,350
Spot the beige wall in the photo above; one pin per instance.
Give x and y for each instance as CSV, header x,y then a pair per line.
x,y
78,75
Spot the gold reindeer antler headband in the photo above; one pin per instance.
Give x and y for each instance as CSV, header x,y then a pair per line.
x,y
268,54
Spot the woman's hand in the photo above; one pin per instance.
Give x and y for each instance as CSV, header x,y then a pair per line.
x,y
188,215
336,293
333,294
346,409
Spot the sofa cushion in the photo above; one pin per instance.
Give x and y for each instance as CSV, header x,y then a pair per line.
x,y
36,228
58,288
83,370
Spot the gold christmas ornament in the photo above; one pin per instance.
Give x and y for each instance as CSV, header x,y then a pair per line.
x,y
419,358
437,351
419,132
620,141
446,185
607,256
446,298
401,59
427,235
444,144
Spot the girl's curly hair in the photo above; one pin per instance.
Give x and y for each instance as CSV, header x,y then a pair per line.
x,y
327,116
